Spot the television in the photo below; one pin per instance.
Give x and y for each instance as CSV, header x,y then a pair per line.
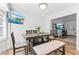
x,y
15,17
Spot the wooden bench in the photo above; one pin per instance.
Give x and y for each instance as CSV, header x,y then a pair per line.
x,y
49,47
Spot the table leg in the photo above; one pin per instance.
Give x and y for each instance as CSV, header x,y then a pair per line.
x,y
42,39
30,45
48,39
63,50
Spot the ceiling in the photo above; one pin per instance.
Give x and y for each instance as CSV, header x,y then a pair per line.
x,y
33,8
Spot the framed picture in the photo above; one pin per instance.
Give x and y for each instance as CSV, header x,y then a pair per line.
x,y
15,17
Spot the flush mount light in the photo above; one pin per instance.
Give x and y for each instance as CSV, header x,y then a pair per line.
x,y
43,5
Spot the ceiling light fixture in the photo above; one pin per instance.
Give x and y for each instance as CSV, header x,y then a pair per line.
x,y
43,5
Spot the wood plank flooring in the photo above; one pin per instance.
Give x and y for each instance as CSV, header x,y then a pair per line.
x,y
70,48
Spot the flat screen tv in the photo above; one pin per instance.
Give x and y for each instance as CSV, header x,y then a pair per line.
x,y
15,17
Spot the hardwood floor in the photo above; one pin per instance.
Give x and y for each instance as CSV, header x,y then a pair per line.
x,y
70,48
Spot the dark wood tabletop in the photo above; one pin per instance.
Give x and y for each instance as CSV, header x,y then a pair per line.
x,y
36,35
31,37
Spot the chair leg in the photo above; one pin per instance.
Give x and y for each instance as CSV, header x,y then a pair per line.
x,y
25,50
13,51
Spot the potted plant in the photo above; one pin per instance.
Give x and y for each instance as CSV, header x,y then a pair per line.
x,y
38,29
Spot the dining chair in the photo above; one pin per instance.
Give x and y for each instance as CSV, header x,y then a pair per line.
x,y
51,38
19,42
34,31
28,31
35,41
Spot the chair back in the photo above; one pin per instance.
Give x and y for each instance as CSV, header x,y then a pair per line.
x,y
35,31
28,31
17,38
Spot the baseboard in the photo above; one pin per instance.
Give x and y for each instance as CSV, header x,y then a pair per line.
x,y
71,35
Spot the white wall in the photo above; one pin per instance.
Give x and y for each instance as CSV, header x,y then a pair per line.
x,y
60,14
77,33
30,22
73,10
71,27
69,22
3,41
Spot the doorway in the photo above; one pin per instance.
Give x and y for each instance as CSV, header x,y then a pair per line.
x,y
69,23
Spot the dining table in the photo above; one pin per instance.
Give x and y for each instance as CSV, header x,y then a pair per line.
x,y
31,37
